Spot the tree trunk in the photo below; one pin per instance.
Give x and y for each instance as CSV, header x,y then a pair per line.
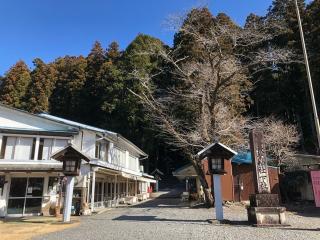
x,y
201,174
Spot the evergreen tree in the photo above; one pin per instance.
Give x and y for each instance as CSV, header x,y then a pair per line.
x,y
93,87
278,90
71,75
133,120
43,78
14,85
312,34
113,53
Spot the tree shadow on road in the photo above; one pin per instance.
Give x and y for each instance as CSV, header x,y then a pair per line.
x,y
156,219
151,218
162,203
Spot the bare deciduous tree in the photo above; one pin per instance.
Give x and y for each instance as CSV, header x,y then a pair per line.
x,y
280,140
212,90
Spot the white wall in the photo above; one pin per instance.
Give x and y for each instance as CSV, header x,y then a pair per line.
x,y
89,143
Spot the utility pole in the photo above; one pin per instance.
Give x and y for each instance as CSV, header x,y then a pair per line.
x,y
305,55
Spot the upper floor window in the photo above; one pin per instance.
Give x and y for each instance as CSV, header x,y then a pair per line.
x,y
97,153
48,146
119,157
106,153
22,148
133,163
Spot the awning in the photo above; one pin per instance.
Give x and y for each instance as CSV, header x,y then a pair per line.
x,y
143,179
34,166
130,176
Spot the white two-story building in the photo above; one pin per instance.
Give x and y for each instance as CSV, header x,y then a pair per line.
x,y
32,183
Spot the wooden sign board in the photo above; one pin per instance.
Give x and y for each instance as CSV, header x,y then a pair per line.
x,y
315,177
258,153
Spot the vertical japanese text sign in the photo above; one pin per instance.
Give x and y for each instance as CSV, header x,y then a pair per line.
x,y
258,153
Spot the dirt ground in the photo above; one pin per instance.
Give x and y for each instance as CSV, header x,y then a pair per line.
x,y
26,228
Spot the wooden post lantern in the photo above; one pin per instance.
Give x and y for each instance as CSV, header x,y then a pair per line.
x,y
216,165
71,159
71,167
216,154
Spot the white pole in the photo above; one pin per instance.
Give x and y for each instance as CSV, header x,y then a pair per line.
x,y
93,186
157,185
135,188
305,55
115,189
217,196
102,192
186,184
68,199
127,188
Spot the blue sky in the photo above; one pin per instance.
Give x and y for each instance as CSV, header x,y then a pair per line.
x,y
52,28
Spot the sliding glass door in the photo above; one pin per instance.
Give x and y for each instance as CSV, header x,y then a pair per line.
x,y
25,197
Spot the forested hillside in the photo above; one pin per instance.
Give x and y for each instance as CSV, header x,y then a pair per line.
x,y
98,89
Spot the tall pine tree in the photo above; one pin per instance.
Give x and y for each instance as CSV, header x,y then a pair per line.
x,y
71,75
43,78
93,88
14,85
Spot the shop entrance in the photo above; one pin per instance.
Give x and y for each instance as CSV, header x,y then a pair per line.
x,y
25,196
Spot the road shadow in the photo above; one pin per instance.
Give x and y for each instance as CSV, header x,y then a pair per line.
x,y
156,219
304,210
162,203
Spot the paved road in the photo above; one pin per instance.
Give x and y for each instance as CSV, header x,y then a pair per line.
x,y
167,219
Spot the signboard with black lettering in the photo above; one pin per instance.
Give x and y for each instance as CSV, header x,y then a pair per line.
x,y
258,152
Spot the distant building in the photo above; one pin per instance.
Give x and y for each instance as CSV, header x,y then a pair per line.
x,y
237,183
31,183
297,179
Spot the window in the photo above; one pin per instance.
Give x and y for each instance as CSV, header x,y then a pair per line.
x,y
217,164
48,146
2,182
119,157
3,147
97,150
133,163
45,148
25,148
70,166
8,147
40,152
52,185
106,153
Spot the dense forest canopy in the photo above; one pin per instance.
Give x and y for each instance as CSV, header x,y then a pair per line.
x,y
97,89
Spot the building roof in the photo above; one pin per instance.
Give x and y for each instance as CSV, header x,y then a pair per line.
x,y
75,124
242,158
32,123
71,128
113,135
156,171
216,147
186,170
70,149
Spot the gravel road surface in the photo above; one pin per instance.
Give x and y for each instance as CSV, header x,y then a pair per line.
x,y
166,219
